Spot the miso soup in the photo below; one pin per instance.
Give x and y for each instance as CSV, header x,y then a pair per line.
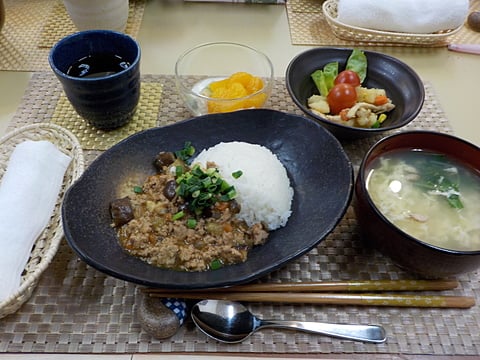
x,y
431,197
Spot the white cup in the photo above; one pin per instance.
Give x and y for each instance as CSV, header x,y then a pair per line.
x,y
98,14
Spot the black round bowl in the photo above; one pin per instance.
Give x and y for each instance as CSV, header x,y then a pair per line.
x,y
319,170
406,251
401,82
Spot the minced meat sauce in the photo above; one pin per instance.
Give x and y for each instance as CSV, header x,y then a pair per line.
x,y
148,225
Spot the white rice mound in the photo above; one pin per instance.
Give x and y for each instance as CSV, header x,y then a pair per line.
x,y
263,190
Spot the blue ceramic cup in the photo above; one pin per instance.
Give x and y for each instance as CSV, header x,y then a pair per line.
x,y
105,99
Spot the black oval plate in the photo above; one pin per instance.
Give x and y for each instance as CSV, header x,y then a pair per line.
x,y
320,173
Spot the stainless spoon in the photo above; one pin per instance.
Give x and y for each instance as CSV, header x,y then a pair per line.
x,y
231,322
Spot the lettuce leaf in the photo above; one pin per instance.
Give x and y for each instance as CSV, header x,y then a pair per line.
x,y
324,79
358,63
318,78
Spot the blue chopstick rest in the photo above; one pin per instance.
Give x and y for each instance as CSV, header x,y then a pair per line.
x,y
177,306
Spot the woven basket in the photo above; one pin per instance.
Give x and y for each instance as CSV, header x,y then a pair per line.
x,y
48,242
354,33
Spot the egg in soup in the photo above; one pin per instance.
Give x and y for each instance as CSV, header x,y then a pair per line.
x,y
429,196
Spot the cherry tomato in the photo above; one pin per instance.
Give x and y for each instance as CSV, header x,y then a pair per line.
x,y
347,77
341,96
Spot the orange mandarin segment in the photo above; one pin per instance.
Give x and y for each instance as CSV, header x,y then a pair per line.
x,y
257,100
216,85
224,106
238,85
232,91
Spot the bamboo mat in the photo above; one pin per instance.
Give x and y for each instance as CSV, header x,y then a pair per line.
x,y
308,26
32,27
76,309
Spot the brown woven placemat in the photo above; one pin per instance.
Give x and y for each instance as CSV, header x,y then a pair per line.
x,y
308,26
33,26
75,308
90,138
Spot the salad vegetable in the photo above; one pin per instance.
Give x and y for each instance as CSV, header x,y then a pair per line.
x,y
358,63
343,99
340,97
348,77
325,78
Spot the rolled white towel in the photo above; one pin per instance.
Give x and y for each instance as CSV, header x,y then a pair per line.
x,y
28,194
410,16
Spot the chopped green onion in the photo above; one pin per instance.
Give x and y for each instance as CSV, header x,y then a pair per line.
x,y
224,186
211,171
230,195
178,170
191,223
216,264
212,188
237,174
181,189
201,189
196,171
178,215
186,153
137,189
206,182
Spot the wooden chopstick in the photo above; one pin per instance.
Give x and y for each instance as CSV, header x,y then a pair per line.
x,y
349,286
399,300
331,286
326,293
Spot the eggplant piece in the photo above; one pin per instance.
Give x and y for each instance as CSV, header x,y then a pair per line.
x,y
170,189
164,158
121,211
234,206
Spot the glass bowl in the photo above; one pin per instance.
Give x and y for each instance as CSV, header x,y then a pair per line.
x,y
249,75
